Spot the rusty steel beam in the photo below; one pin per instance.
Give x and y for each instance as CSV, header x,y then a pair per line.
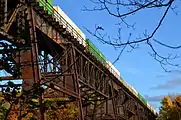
x,y
8,23
68,69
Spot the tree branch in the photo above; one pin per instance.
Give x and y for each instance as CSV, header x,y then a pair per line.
x,y
134,6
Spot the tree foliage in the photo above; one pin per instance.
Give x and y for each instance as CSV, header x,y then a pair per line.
x,y
54,109
170,109
62,112
18,104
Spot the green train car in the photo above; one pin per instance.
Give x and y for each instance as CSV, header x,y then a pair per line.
x,y
95,51
142,99
47,4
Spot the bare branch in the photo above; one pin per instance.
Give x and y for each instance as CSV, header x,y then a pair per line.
x,y
120,53
162,60
165,45
130,42
113,7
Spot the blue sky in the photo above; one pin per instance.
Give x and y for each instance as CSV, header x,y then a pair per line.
x,y
137,67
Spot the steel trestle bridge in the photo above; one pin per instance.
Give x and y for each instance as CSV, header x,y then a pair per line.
x,y
48,52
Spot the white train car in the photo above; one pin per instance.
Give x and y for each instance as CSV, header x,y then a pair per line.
x,y
149,106
155,112
124,83
133,90
67,23
113,69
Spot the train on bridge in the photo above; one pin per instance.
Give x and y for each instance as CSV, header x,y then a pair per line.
x,y
48,48
89,46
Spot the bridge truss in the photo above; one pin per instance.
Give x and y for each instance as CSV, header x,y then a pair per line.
x,y
46,53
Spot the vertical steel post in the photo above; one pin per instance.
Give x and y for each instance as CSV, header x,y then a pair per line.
x,y
5,11
113,100
81,117
34,51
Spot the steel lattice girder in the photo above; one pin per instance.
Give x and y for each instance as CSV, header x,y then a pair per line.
x,y
99,91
